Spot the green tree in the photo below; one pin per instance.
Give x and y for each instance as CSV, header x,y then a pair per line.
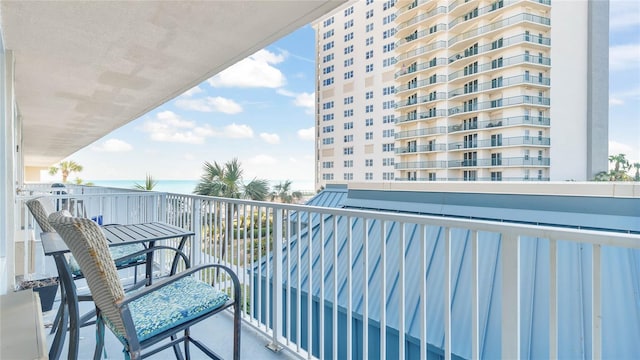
x,y
148,185
283,192
621,162
227,181
66,168
636,177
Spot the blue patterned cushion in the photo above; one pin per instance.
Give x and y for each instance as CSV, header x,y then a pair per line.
x,y
174,304
116,252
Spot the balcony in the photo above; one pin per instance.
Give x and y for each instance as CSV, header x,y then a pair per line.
x,y
501,83
499,103
371,283
512,161
420,148
509,121
534,19
420,132
507,141
541,41
500,63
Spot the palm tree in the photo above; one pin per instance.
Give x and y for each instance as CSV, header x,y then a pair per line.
x,y
637,175
65,167
283,192
620,160
226,181
149,184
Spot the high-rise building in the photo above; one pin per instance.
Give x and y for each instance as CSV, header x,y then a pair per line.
x,y
462,90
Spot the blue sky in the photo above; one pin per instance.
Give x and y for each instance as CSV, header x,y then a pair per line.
x,y
261,111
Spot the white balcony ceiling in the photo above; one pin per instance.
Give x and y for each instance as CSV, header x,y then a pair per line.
x,y
83,69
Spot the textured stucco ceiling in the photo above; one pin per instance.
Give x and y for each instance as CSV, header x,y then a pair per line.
x,y
83,68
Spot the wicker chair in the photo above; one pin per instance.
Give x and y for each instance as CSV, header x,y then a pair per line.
x,y
142,319
41,208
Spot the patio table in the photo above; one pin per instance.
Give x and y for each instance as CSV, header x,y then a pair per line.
x,y
117,235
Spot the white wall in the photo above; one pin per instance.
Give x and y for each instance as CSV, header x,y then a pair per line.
x,y
569,86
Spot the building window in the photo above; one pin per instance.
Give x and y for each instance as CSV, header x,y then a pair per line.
x,y
348,100
327,129
348,24
327,176
348,11
470,175
369,13
327,105
368,108
348,138
348,37
388,119
348,163
391,104
388,33
327,164
348,49
389,90
368,162
496,176
387,176
369,41
368,135
368,176
327,46
388,61
327,82
347,151
327,69
327,22
388,161
368,122
388,19
327,34
388,133
327,141
368,95
348,176
348,125
369,27
348,113
387,147
348,62
369,68
368,54
432,176
348,75
327,117
388,47
327,58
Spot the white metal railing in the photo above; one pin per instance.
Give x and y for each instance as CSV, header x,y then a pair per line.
x,y
297,229
367,263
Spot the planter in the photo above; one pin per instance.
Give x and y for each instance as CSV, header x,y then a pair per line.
x,y
46,289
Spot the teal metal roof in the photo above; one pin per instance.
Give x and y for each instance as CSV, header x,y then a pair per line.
x,y
620,270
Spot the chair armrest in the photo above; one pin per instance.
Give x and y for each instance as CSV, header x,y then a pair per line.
x,y
164,282
157,247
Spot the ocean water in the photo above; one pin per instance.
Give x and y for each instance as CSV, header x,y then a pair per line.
x,y
185,186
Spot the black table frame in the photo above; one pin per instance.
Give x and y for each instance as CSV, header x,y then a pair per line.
x,y
53,245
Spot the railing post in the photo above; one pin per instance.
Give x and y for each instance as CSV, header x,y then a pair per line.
x,y
276,303
510,296
196,253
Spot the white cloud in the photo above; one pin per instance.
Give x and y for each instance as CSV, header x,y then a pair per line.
x,y
235,131
632,153
270,138
112,145
615,101
194,90
304,99
169,127
624,14
307,134
623,57
256,70
210,104
262,159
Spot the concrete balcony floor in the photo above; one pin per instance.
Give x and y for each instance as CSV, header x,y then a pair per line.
x,y
216,332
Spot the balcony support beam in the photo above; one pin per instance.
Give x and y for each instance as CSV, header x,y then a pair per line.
x,y
276,303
